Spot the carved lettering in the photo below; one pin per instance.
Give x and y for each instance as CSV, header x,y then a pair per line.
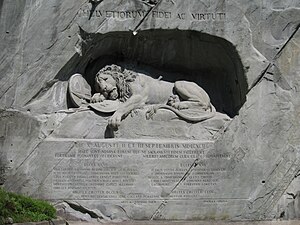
x,y
134,14
113,14
101,170
219,16
161,14
181,16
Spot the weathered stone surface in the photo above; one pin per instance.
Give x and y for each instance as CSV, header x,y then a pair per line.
x,y
244,54
278,222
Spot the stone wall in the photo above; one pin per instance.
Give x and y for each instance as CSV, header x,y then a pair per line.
x,y
244,54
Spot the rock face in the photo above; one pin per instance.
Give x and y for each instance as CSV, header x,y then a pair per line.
x,y
243,163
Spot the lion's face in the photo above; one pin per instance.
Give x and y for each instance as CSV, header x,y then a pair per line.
x,y
107,86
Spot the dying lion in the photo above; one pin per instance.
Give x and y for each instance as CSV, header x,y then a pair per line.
x,y
137,90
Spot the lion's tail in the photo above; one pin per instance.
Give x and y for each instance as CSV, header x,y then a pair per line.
x,y
204,116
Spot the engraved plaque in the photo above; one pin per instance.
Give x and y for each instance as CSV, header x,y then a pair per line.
x,y
148,175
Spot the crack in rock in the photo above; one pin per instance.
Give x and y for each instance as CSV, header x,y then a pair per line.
x,y
153,6
114,213
272,63
93,213
160,208
94,3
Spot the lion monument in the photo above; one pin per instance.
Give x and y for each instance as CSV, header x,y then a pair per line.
x,y
135,90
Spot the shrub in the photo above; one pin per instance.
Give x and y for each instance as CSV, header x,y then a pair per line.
x,y
24,209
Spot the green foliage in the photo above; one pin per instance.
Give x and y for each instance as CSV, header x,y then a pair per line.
x,y
24,209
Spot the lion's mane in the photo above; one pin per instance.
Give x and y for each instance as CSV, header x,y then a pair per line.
x,y
122,77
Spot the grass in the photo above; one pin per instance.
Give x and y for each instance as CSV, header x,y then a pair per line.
x,y
24,209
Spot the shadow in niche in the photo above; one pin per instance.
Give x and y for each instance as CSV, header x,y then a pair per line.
x,y
210,61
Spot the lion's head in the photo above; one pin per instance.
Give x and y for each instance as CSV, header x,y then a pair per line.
x,y
114,82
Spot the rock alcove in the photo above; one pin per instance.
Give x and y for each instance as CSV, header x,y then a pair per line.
x,y
210,61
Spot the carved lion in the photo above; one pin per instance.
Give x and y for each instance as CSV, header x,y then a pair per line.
x,y
136,90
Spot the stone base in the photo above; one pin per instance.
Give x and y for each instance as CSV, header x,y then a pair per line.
x,y
291,222
137,179
141,178
86,124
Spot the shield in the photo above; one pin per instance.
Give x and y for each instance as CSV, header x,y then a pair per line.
x,y
79,90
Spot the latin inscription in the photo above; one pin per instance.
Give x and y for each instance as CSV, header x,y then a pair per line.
x,y
113,170
139,14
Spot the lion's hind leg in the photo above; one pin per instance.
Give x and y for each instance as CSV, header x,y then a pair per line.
x,y
192,95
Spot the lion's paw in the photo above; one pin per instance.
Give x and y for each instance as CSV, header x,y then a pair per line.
x,y
115,120
134,112
97,98
150,112
172,99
